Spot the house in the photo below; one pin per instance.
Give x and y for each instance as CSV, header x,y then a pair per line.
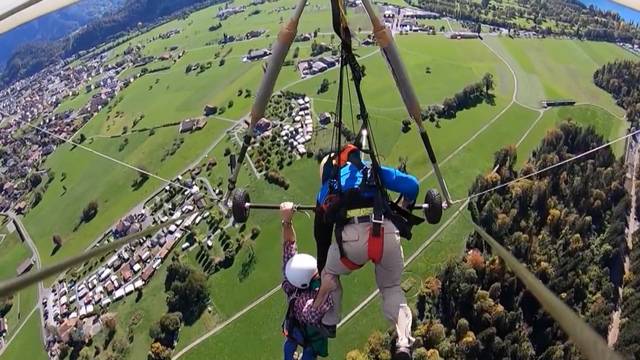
x,y
254,55
126,273
64,330
324,118
253,34
263,125
559,102
329,62
192,124
210,110
318,67
24,266
368,42
459,35
187,125
20,207
147,273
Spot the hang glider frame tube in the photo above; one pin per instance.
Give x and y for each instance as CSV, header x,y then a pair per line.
x,y
390,52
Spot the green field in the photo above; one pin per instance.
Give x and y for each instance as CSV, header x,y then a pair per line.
x,y
465,146
27,345
12,253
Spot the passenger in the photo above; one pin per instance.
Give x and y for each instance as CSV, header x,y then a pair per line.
x,y
302,325
365,229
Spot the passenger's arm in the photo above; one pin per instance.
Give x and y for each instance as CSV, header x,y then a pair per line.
x,y
289,248
397,181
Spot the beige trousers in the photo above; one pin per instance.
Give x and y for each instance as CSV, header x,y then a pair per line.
x,y
388,276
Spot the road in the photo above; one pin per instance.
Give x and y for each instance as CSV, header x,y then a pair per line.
x,y
632,227
38,264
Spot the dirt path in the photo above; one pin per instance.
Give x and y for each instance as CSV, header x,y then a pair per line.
x,y
614,327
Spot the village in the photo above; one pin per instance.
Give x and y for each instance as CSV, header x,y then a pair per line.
x,y
74,304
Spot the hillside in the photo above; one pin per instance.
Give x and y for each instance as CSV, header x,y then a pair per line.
x,y
55,25
32,57
567,225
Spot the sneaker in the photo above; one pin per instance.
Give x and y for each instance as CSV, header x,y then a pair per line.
x,y
402,354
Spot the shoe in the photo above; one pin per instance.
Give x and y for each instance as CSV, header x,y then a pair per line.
x,y
328,331
402,354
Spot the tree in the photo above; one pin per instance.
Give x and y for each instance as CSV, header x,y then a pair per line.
x,y
487,82
90,211
86,354
296,52
159,352
57,240
37,197
189,297
34,180
230,104
5,306
324,86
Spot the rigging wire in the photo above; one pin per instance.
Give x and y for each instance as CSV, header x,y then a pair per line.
x,y
561,163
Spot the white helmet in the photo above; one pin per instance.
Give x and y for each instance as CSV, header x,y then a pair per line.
x,y
300,269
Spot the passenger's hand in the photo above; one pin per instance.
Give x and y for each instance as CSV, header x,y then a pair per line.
x,y
329,284
286,211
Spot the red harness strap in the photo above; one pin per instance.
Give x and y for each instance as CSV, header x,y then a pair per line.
x,y
350,264
375,249
375,245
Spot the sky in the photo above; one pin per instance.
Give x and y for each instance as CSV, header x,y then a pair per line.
x,y
626,13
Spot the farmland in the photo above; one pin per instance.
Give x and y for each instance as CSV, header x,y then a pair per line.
x,y
525,71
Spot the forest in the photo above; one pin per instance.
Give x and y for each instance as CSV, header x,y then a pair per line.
x,y
567,225
33,57
559,17
622,80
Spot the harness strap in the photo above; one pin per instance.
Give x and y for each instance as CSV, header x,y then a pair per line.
x,y
375,246
375,243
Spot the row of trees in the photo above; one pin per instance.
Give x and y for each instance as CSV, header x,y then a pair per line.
x,y
566,225
561,17
472,95
622,80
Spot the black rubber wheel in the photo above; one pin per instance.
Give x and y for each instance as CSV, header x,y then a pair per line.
x,y
433,213
239,210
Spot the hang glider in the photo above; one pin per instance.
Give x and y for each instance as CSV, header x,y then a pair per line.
x,y
14,13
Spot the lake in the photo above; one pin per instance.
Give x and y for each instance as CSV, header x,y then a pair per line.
x,y
626,13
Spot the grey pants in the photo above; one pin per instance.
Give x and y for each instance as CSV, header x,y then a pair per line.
x,y
388,275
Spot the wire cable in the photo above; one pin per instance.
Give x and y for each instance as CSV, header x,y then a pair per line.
x,y
561,163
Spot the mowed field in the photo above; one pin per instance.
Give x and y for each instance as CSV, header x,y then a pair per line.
x,y
465,147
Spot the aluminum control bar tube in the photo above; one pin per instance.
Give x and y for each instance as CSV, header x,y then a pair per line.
x,y
390,52
263,206
280,50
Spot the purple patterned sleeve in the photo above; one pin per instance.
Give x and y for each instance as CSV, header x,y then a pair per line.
x,y
309,315
289,249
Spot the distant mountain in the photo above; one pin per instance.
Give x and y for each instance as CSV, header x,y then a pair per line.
x,y
56,25
31,57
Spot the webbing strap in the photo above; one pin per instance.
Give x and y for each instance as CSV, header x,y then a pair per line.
x,y
589,342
